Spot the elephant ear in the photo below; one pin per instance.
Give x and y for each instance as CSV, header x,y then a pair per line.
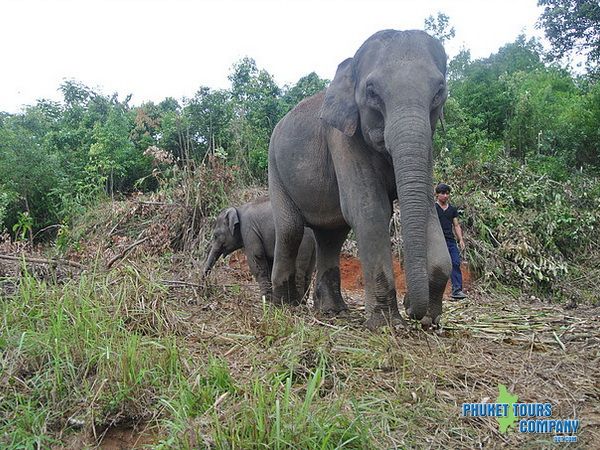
x,y
339,108
442,121
232,219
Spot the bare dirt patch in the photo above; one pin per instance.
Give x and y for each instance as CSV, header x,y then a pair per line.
x,y
350,272
122,438
352,276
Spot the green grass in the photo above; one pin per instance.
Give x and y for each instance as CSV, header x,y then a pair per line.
x,y
280,413
118,349
69,355
109,349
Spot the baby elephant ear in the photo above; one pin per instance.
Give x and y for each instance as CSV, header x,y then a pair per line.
x,y
339,108
232,219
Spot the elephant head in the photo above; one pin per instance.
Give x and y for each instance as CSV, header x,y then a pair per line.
x,y
390,95
226,237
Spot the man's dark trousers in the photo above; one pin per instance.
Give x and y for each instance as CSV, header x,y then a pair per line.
x,y
456,275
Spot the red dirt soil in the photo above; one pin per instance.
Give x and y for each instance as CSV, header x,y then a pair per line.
x,y
352,277
350,272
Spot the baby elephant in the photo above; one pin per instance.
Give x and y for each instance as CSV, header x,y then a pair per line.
x,y
252,227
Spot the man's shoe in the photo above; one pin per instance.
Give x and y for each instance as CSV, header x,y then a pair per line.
x,y
459,295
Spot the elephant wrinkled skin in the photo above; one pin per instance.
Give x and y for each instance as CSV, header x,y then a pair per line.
x,y
339,159
251,227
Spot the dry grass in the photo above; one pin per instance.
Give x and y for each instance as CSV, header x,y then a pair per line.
x,y
396,388
415,382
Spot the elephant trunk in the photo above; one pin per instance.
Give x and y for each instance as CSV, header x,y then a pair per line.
x,y
211,259
409,141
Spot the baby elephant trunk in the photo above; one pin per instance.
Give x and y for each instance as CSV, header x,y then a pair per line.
x,y
211,259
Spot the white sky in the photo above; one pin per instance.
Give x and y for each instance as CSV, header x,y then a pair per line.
x,y
169,48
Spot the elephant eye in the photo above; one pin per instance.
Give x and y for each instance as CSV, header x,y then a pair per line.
x,y
372,96
438,98
371,91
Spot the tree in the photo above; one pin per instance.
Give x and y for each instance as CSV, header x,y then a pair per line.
x,y
457,67
146,128
572,26
28,172
481,86
538,101
210,116
439,27
305,87
113,155
256,111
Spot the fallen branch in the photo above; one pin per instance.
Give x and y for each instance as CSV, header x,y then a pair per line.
x,y
182,283
196,285
564,349
49,227
42,261
124,252
154,203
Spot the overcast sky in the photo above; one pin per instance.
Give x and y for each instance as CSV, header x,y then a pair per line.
x,y
169,48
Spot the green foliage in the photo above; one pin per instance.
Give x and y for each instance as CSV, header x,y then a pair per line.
x,y
539,99
464,136
76,353
572,27
210,114
537,113
439,27
276,415
481,86
111,153
23,227
4,202
257,109
524,228
305,87
28,171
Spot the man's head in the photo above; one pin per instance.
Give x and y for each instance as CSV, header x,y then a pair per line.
x,y
442,188
442,192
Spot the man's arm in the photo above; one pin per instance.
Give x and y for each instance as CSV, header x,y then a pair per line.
x,y
458,233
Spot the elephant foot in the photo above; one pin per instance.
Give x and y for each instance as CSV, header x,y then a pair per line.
x,y
266,293
329,306
431,324
285,294
334,311
427,323
284,301
431,320
304,290
385,317
328,298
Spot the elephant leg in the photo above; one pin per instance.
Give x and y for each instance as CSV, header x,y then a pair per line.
x,y
375,252
305,265
259,268
289,230
328,297
438,267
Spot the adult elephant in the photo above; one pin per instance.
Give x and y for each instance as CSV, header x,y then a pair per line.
x,y
339,159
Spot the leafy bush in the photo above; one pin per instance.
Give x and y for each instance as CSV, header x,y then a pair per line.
x,y
524,229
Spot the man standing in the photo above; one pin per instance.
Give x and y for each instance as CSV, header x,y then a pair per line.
x,y
448,216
